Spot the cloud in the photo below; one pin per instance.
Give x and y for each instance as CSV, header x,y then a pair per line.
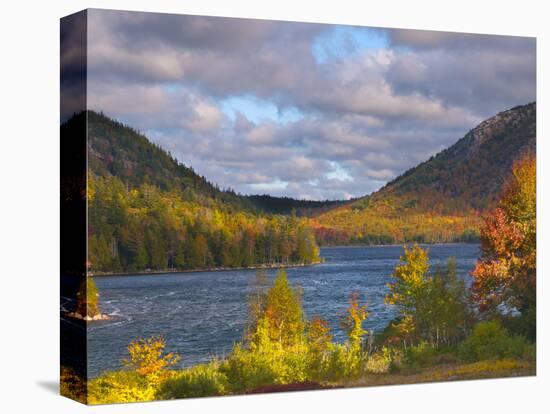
x,y
156,107
429,39
254,105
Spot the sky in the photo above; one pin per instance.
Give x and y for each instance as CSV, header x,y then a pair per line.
x,y
310,111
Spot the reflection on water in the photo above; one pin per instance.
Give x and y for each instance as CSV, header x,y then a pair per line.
x,y
202,314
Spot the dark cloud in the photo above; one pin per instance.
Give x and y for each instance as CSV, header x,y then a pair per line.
x,y
365,114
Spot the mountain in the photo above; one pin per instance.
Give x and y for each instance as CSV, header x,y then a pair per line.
x,y
119,150
442,198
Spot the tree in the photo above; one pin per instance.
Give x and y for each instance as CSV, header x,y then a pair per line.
x,y
407,292
87,298
179,258
247,247
450,305
283,311
433,306
199,251
352,321
505,275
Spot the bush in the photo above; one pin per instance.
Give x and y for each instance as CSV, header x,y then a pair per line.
x,y
270,364
381,362
147,363
246,370
489,340
420,355
120,386
148,359
345,362
200,381
523,325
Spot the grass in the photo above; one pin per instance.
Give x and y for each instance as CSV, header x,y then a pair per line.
x,y
450,372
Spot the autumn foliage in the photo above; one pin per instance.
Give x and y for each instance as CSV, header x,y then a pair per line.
x,y
147,357
505,276
432,304
352,320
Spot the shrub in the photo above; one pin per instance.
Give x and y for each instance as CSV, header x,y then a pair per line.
x,y
523,324
147,358
120,386
245,370
420,355
380,362
344,363
147,365
248,369
490,341
199,381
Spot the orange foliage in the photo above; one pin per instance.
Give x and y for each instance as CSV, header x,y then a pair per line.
x,y
506,273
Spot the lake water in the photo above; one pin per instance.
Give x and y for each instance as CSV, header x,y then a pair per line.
x,y
202,314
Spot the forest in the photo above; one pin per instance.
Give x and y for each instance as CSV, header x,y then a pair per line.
x,y
148,212
144,228
385,223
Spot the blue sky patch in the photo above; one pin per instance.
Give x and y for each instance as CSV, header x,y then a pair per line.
x,y
345,41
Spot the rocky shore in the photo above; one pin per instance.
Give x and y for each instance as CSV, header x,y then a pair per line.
x,y
88,318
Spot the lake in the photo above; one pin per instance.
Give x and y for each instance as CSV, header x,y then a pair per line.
x,y
202,314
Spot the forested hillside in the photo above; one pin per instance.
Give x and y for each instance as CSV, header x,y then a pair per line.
x,y
121,151
147,211
441,199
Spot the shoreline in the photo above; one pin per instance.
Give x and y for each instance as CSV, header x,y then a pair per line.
x,y
265,266
212,269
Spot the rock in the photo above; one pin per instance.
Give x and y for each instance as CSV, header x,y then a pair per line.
x,y
88,318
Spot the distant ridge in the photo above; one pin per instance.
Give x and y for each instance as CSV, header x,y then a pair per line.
x,y
470,173
440,199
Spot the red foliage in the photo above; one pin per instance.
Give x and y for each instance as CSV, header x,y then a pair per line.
x,y
506,273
